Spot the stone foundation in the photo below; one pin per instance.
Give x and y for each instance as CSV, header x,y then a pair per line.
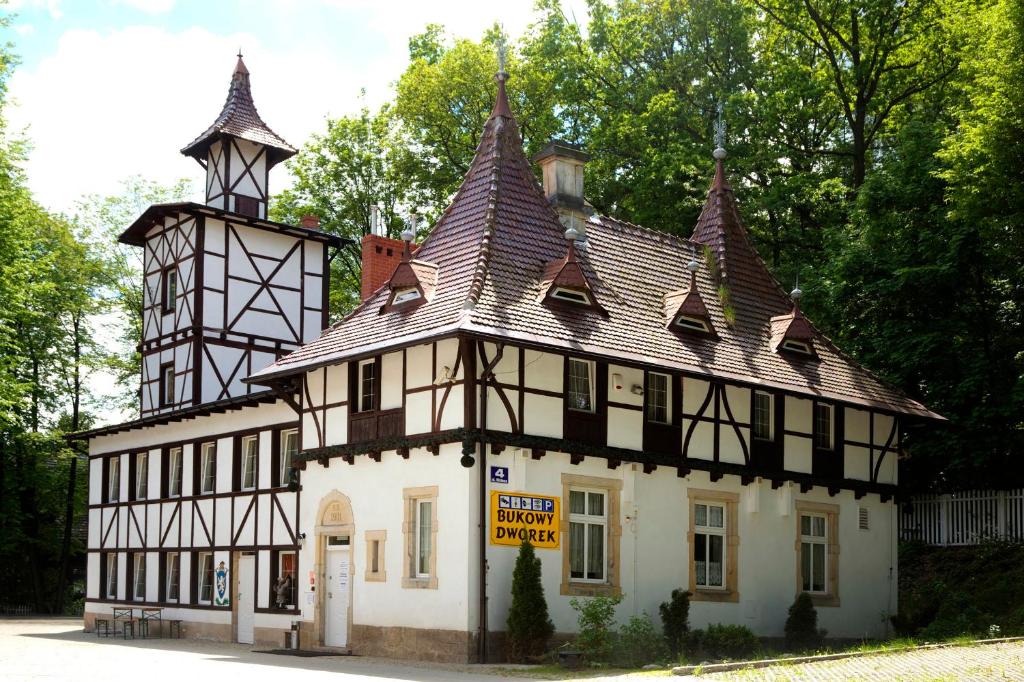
x,y
441,646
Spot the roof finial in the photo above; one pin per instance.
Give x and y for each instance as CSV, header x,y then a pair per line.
x,y
796,294
502,52
239,51
719,152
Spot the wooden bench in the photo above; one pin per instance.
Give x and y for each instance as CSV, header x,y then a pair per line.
x,y
146,618
127,621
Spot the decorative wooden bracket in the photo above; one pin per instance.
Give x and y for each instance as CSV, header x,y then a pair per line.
x,y
805,487
833,491
497,448
537,453
325,461
649,467
434,449
857,494
349,459
746,480
716,476
885,497
300,465
575,458
682,472
403,451
614,463
777,483
375,456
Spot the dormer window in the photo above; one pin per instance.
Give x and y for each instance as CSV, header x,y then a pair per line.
x,y
570,295
797,347
405,295
693,324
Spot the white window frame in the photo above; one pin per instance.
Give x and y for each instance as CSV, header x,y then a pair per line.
x,y
591,380
114,479
796,346
667,393
293,596
406,294
771,416
287,455
168,385
571,296
828,442
207,460
173,577
586,519
175,461
110,589
692,323
418,557
249,456
708,530
138,571
169,293
141,475
806,543
201,577
372,362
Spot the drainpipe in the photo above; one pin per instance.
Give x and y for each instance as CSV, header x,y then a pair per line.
x,y
485,379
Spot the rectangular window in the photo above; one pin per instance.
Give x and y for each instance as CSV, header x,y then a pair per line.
x,y
204,575
139,576
174,471
367,385
285,585
419,535
167,385
375,555
289,448
111,586
114,479
173,586
813,543
170,290
424,529
141,475
250,450
580,392
659,397
823,426
588,531
207,468
763,423
709,545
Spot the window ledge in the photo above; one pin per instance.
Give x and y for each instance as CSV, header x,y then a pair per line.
x,y
420,583
825,600
377,577
590,590
715,595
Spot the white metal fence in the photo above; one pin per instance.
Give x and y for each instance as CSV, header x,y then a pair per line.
x,y
964,518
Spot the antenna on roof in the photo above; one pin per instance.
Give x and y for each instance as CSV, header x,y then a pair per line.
x,y
719,152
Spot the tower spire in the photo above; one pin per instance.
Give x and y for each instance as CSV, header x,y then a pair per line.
x,y
501,107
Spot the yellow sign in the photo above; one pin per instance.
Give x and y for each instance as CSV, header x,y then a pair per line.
x,y
519,516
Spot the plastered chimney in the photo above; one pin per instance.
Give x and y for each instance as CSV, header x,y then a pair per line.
x,y
562,167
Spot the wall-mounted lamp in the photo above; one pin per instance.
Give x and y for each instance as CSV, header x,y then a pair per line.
x,y
617,381
636,389
444,376
302,540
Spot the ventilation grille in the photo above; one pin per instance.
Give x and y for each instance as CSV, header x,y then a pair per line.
x,y
862,518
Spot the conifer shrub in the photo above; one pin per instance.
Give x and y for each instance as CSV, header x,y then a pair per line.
x,y
528,625
802,632
675,616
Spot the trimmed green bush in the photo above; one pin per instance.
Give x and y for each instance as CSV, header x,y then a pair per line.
x,y
638,643
675,617
802,632
594,619
528,626
719,642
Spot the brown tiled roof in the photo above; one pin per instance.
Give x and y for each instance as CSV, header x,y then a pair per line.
x,y
240,118
495,248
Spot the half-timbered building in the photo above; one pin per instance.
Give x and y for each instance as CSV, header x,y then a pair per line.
x,y
653,412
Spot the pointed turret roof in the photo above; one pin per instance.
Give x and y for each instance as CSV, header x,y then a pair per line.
x,y
499,245
240,119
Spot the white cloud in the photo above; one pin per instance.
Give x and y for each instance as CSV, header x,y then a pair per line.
x,y
52,6
106,106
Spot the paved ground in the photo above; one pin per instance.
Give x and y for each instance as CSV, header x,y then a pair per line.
x,y
57,649
981,662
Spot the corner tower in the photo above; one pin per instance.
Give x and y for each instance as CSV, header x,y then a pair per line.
x,y
226,292
237,151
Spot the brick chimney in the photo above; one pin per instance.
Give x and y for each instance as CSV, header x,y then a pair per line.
x,y
562,165
381,255
310,222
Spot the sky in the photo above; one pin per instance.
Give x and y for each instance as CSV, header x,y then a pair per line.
x,y
107,89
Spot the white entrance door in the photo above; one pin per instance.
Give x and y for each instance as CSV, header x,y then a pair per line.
x,y
246,597
337,588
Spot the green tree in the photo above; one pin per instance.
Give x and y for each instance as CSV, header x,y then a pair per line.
x,y
528,627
